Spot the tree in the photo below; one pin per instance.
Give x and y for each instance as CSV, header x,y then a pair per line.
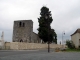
x,y
44,31
70,44
54,36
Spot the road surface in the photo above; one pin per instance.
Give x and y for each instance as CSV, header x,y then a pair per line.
x,y
38,55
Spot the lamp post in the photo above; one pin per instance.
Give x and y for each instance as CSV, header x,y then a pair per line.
x,y
63,33
48,37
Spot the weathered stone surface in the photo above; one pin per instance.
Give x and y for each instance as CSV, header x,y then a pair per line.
x,y
35,38
23,31
24,45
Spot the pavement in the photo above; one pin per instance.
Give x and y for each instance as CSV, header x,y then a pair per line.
x,y
38,55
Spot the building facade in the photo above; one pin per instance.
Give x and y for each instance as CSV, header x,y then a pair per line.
x,y
75,37
23,31
2,41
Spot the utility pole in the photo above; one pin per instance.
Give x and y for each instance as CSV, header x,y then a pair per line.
x,y
63,33
48,36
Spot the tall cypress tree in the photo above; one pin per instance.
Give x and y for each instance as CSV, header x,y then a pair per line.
x,y
44,31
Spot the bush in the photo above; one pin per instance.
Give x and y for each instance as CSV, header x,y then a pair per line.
x,y
70,44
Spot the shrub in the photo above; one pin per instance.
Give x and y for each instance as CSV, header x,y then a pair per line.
x,y
70,44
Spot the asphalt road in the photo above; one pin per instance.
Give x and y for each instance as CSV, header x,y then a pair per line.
x,y
38,55
4,53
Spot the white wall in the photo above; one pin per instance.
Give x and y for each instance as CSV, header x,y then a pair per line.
x,y
0,43
75,38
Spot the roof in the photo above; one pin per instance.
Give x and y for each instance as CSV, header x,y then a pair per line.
x,y
35,33
22,20
77,31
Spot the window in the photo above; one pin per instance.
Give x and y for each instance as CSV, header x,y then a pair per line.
x,y
20,24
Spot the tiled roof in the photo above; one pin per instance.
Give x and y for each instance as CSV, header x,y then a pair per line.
x,y
77,31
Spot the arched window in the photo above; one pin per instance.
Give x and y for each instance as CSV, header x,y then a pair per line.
x,y
20,24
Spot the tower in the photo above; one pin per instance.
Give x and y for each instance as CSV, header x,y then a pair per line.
x,y
22,30
2,36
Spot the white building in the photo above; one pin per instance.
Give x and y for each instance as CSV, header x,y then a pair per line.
x,y
2,41
75,37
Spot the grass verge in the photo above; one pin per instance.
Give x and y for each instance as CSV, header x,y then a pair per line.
x,y
72,50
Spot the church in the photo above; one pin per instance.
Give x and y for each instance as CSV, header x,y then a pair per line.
x,y
23,32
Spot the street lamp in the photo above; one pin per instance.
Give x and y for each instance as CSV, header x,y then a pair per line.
x,y
63,33
48,36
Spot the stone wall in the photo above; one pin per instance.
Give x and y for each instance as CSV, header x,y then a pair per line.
x,y
24,46
35,38
7,45
22,30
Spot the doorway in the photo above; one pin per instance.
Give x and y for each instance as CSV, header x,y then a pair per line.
x,y
21,40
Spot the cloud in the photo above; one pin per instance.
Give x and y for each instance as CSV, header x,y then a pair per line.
x,y
65,13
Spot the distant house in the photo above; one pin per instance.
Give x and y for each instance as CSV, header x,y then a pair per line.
x,y
75,37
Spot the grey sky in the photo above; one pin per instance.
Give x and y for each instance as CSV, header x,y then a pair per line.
x,y
65,13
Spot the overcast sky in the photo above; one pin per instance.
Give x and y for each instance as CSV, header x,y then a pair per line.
x,y
65,14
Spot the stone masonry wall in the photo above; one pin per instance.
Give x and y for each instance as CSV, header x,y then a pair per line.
x,y
23,45
35,38
7,45
22,30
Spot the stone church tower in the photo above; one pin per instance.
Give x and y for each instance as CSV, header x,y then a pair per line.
x,y
22,31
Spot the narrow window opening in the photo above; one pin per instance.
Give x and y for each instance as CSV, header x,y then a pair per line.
x,y
19,24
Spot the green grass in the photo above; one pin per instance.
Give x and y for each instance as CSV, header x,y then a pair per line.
x,y
72,50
